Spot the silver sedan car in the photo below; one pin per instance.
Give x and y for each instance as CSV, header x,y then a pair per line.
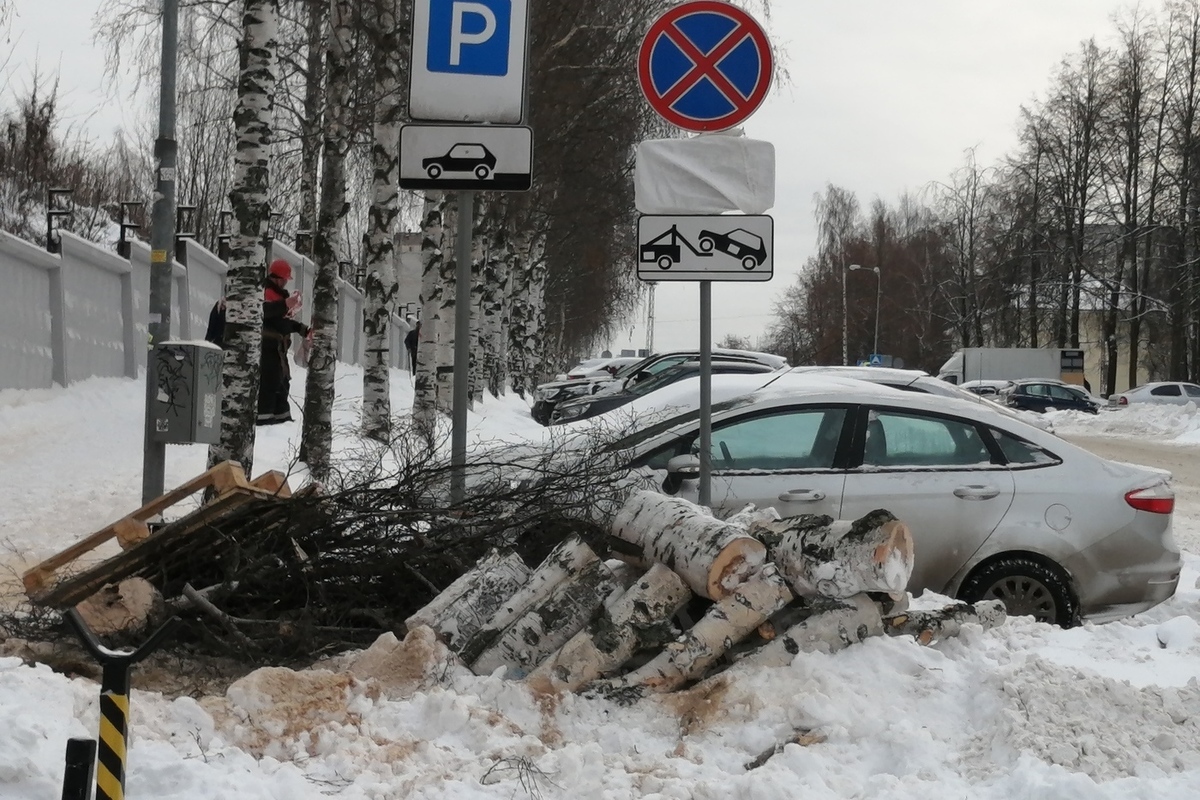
x,y
998,508
1175,393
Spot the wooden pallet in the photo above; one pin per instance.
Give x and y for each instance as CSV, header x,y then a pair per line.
x,y
227,480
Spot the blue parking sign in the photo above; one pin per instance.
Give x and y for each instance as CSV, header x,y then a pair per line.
x,y
469,37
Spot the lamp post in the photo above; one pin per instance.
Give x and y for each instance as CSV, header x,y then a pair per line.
x,y
878,294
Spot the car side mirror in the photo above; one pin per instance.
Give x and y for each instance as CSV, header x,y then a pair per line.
x,y
680,469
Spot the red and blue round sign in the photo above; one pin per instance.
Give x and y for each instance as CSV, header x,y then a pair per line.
x,y
705,65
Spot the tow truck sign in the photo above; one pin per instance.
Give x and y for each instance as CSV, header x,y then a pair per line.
x,y
706,248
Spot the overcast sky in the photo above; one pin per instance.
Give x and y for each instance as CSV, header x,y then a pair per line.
x,y
883,97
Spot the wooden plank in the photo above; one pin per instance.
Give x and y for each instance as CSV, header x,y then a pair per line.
x,y
274,482
227,474
144,555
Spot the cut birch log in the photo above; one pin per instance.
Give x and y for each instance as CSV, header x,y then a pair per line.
x,y
639,618
548,625
840,558
727,622
131,606
712,556
833,625
468,603
930,626
569,558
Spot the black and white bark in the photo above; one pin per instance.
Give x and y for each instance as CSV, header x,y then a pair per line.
x,y
443,350
840,558
565,561
639,619
522,315
548,624
712,556
316,12
831,625
466,605
930,626
380,282
253,120
725,624
492,286
317,439
425,387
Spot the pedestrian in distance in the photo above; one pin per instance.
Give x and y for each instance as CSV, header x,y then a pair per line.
x,y
410,341
216,324
275,374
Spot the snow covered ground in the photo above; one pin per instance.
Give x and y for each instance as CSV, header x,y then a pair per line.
x,y
1023,711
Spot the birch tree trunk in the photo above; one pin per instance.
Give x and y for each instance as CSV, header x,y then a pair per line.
x,y
833,625
930,626
725,624
478,249
498,376
711,555
317,439
466,605
253,119
425,405
310,142
640,618
380,284
840,558
521,330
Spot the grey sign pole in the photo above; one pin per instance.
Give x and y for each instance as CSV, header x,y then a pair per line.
x,y
162,246
462,346
705,393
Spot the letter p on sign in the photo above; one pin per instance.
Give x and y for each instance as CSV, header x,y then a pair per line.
x,y
469,37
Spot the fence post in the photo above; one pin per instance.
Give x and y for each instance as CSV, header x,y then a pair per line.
x,y
129,324
58,323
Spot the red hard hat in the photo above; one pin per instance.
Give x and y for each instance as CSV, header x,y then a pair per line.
x,y
280,269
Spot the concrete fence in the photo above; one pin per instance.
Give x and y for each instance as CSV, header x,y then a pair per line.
x,y
84,312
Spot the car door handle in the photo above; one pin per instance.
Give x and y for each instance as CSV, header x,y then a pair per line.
x,y
803,496
976,492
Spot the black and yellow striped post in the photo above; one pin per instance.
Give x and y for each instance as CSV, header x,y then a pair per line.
x,y
114,703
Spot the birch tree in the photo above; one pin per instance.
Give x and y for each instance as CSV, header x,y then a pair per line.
x,y
425,387
253,119
317,438
380,283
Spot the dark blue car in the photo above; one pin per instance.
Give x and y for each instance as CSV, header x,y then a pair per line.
x,y
1042,396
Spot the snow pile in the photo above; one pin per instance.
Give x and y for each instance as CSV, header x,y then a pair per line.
x,y
1106,712
1180,423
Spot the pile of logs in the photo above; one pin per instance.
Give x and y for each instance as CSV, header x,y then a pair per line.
x,y
773,588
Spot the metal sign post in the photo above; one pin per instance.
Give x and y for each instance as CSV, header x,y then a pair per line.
x,y
162,247
705,66
468,66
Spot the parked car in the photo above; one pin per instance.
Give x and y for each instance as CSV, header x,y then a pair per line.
x,y
602,402
998,508
1043,396
1164,392
988,389
549,395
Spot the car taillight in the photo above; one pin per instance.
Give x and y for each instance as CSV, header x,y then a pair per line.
x,y
1122,400
1157,499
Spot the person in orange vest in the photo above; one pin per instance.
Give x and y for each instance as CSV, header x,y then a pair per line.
x,y
275,374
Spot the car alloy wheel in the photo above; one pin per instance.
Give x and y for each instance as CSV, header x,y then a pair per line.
x,y
1027,588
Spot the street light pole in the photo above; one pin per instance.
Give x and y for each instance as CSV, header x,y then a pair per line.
x,y
878,294
845,340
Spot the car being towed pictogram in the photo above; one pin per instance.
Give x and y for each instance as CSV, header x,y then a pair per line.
x,y
741,244
473,158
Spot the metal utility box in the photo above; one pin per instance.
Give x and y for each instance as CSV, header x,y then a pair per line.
x,y
187,392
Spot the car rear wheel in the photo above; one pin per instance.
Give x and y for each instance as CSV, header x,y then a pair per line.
x,y
434,171
1027,588
749,263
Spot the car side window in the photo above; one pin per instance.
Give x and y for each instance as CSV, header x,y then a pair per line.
x,y
1018,452
1065,395
658,459
898,439
797,439
1192,390
1170,390
1038,390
